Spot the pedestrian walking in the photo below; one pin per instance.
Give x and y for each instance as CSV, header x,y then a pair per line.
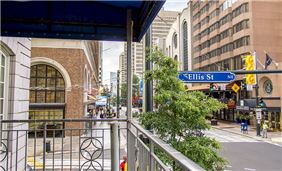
x,y
123,164
264,129
94,118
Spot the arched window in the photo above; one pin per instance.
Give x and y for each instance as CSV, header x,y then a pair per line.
x,y
185,46
175,40
4,81
47,96
47,85
175,58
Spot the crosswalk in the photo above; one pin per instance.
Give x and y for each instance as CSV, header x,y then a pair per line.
x,y
225,137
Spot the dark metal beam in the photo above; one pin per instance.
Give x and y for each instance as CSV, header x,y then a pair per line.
x,y
240,72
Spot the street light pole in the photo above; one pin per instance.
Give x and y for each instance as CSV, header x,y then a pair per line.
x,y
257,95
148,67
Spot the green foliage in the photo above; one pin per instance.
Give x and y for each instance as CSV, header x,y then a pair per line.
x,y
134,89
180,116
114,100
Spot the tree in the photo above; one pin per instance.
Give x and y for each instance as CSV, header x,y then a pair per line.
x,y
180,116
135,89
114,100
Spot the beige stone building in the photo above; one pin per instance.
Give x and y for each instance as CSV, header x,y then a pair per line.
x,y
160,28
225,30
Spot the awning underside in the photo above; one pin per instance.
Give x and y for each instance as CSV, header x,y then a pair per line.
x,y
87,20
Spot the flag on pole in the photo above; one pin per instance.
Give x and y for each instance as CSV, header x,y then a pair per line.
x,y
268,60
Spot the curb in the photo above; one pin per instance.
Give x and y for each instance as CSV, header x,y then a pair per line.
x,y
249,136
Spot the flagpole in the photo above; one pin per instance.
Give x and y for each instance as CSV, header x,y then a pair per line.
x,y
257,93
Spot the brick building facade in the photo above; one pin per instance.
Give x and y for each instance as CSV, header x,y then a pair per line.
x,y
78,63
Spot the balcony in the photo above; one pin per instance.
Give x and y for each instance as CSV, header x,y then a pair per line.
x,y
99,145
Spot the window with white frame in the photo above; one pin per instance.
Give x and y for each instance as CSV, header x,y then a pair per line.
x,y
3,92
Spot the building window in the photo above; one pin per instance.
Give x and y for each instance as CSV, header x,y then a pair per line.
x,y
175,57
46,85
240,26
3,86
226,4
47,88
204,21
225,19
213,27
237,62
214,13
225,33
239,10
185,46
226,48
175,40
244,41
204,9
214,39
4,81
197,15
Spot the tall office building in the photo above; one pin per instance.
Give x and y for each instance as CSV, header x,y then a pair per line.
x,y
113,82
122,67
160,28
162,24
225,30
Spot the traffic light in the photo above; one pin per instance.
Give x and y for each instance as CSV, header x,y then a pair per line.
x,y
250,64
261,103
212,87
243,86
250,79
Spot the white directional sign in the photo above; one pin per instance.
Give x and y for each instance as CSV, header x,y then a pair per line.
x,y
206,77
258,113
249,87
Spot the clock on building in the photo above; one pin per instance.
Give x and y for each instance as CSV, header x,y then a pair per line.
x,y
267,86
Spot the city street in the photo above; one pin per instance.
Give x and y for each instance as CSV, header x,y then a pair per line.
x,y
245,153
141,85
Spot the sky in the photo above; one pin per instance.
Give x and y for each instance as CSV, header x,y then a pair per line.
x,y
112,50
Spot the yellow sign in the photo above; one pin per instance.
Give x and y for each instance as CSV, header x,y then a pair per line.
x,y
235,88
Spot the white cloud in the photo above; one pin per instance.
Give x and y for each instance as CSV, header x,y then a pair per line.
x,y
111,53
175,5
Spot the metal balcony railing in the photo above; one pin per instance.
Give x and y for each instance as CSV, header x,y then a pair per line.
x,y
82,144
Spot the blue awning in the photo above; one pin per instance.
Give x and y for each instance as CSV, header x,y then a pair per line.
x,y
86,20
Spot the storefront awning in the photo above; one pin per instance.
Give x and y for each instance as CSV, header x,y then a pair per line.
x,y
91,97
201,87
84,20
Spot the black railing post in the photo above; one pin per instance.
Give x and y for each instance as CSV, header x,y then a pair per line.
x,y
44,145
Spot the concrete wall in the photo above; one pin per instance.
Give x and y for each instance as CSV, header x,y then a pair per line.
x,y
18,50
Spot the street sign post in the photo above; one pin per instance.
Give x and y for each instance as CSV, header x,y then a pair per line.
x,y
249,87
258,118
223,87
258,113
206,77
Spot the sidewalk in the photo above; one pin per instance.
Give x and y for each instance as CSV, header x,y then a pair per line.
x,y
272,137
